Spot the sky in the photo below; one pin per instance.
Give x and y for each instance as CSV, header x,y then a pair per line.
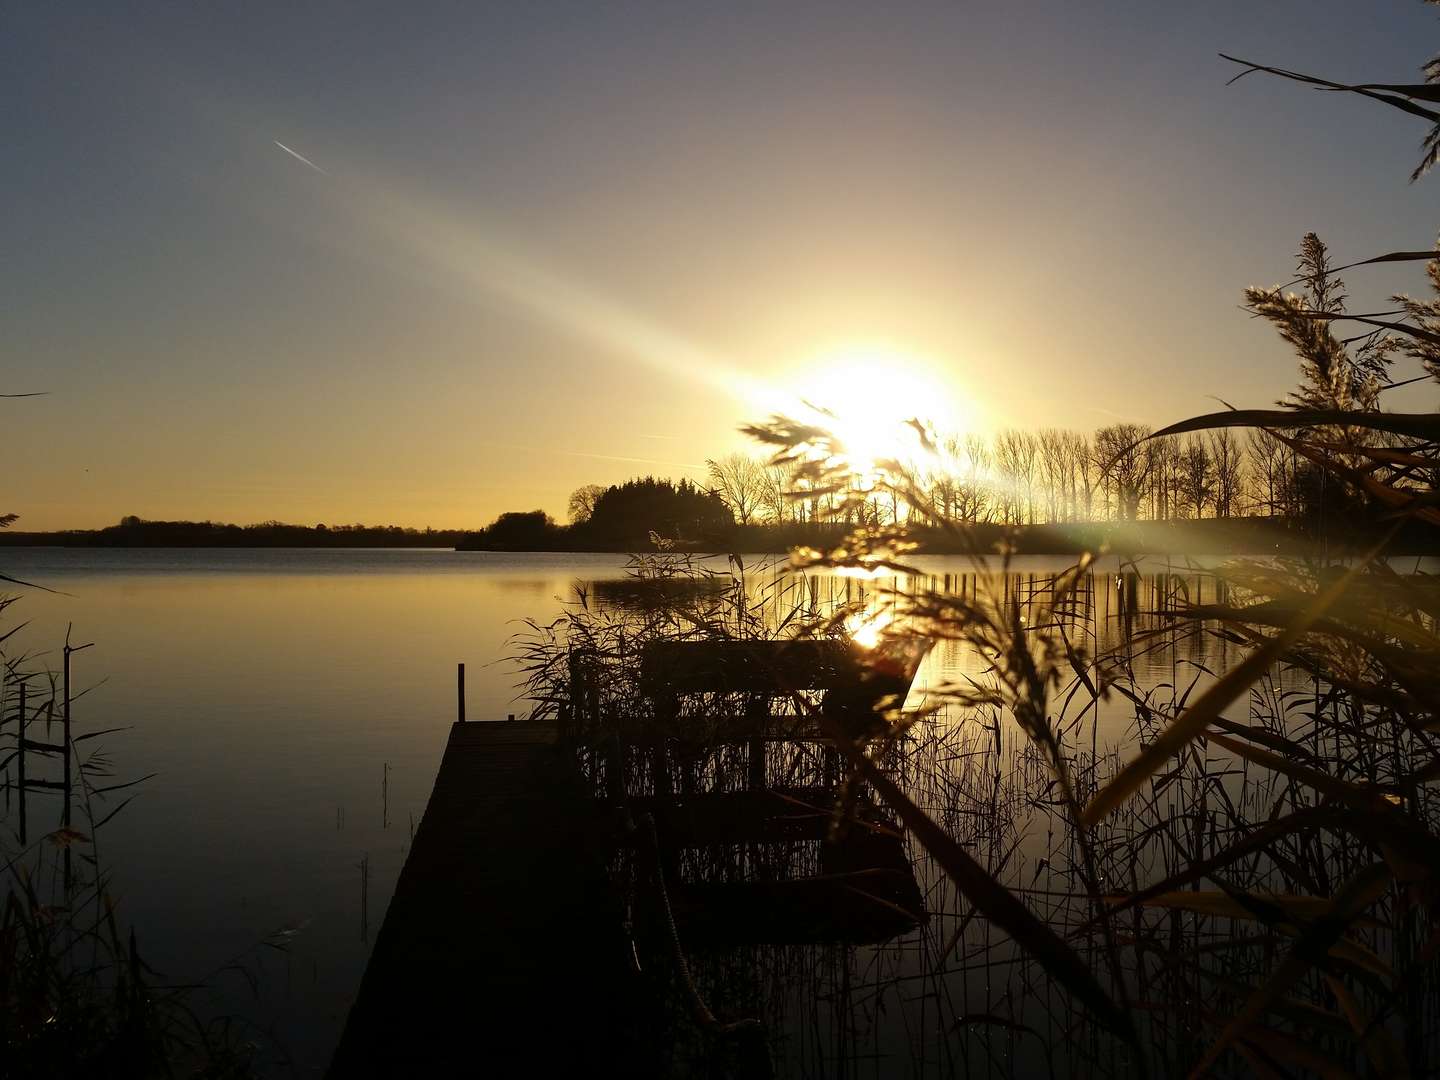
x,y
422,263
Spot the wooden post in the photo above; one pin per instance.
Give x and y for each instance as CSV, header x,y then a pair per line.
x,y
65,742
65,716
21,765
460,692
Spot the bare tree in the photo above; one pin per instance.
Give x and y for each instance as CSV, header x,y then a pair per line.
x,y
1121,459
776,506
1229,471
1086,476
974,499
741,481
1267,465
1015,458
582,503
944,476
1197,475
1054,463
1159,479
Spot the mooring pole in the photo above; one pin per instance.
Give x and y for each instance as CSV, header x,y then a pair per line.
x,y
65,716
65,813
21,766
460,692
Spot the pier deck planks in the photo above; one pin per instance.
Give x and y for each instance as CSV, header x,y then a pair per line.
x,y
498,952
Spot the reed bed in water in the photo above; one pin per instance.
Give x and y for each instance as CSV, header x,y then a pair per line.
x,y
964,997
1206,880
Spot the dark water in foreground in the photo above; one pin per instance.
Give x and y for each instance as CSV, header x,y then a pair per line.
x,y
294,705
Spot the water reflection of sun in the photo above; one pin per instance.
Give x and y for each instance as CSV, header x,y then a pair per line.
x,y
866,628
870,394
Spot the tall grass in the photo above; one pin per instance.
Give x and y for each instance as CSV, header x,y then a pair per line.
x,y
76,996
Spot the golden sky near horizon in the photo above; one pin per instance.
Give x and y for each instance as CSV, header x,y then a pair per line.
x,y
423,266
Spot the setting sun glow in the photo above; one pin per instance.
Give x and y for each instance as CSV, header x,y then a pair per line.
x,y
870,393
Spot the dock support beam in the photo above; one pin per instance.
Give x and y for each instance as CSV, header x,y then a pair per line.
x,y
460,693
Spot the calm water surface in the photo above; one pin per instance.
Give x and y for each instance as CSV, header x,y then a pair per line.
x,y
294,705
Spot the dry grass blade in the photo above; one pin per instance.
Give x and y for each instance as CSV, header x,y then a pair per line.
x,y
1260,840
1281,910
1396,100
1417,425
1217,697
1384,1055
1312,947
1360,797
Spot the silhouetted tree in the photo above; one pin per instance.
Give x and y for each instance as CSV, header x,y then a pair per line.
x,y
740,480
627,513
1267,456
1229,472
1160,477
1197,475
582,503
1014,454
1124,468
531,530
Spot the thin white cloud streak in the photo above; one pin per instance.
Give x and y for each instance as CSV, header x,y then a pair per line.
x,y
300,157
525,449
635,460
1114,415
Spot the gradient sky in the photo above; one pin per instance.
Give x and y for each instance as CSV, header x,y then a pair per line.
x,y
554,244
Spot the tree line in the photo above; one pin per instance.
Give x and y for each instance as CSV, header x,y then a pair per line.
x,y
1050,476
133,531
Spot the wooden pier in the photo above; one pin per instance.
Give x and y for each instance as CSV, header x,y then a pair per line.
x,y
504,950
498,955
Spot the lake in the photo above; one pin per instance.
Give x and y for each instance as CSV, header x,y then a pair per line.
x,y
293,706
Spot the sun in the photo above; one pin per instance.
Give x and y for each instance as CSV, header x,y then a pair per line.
x,y
867,394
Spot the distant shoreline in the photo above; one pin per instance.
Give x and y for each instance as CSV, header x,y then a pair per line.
x,y
1208,536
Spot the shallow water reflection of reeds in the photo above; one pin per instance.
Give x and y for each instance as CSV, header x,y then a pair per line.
x,y
954,996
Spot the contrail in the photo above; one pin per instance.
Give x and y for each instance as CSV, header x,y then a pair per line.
x,y
300,157
582,454
636,460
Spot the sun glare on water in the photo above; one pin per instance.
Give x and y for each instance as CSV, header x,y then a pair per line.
x,y
867,628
